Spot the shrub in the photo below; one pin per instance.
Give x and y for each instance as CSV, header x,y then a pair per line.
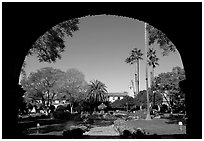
x,y
61,108
59,114
52,108
127,134
94,117
119,122
164,108
139,133
74,133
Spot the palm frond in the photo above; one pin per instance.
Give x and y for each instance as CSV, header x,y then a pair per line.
x,y
96,91
134,56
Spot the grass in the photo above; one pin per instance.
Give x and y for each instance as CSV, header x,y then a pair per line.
x,y
156,126
162,126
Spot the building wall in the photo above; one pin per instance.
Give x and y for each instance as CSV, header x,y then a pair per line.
x,y
114,98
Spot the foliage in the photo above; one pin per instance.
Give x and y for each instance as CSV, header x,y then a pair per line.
x,y
42,86
50,45
96,92
61,108
73,87
49,84
63,115
85,105
164,108
152,58
141,98
126,103
155,35
169,83
135,55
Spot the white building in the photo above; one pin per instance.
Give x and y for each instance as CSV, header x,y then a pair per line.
x,y
116,96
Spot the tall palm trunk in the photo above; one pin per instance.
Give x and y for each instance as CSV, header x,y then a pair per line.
x,y
137,77
152,78
148,112
136,73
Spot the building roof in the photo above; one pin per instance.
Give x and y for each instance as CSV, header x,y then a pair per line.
x,y
117,94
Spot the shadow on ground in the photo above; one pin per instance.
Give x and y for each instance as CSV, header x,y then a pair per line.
x,y
175,119
172,136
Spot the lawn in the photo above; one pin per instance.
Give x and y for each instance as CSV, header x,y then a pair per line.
x,y
156,126
162,126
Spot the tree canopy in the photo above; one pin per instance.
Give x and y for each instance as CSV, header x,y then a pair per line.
x,y
156,36
126,103
73,87
48,84
152,58
42,85
135,55
96,92
141,98
50,45
168,83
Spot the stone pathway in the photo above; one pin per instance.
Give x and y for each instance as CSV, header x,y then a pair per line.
x,y
103,131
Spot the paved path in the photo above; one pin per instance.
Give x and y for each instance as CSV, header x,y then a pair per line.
x,y
102,131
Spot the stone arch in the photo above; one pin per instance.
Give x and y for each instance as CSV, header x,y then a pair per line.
x,y
28,28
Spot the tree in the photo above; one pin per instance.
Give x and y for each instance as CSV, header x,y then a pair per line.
x,y
168,83
50,45
156,36
96,93
152,61
73,87
47,47
146,79
42,86
135,56
141,98
165,44
126,103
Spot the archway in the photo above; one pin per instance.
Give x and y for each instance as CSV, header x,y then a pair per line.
x,y
23,31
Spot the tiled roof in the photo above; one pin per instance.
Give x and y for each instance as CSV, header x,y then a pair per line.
x,y
117,94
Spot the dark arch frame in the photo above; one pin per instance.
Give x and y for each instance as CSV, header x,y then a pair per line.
x,y
23,23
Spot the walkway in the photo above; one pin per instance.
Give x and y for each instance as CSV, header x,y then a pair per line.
x,y
102,131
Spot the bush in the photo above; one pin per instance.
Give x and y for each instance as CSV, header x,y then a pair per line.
x,y
164,108
109,117
52,108
60,114
139,133
61,108
119,122
127,134
135,108
94,117
74,133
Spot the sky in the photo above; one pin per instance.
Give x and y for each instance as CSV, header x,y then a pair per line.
x,y
99,49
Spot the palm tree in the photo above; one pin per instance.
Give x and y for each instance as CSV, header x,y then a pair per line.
x,y
152,61
96,92
148,117
135,56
